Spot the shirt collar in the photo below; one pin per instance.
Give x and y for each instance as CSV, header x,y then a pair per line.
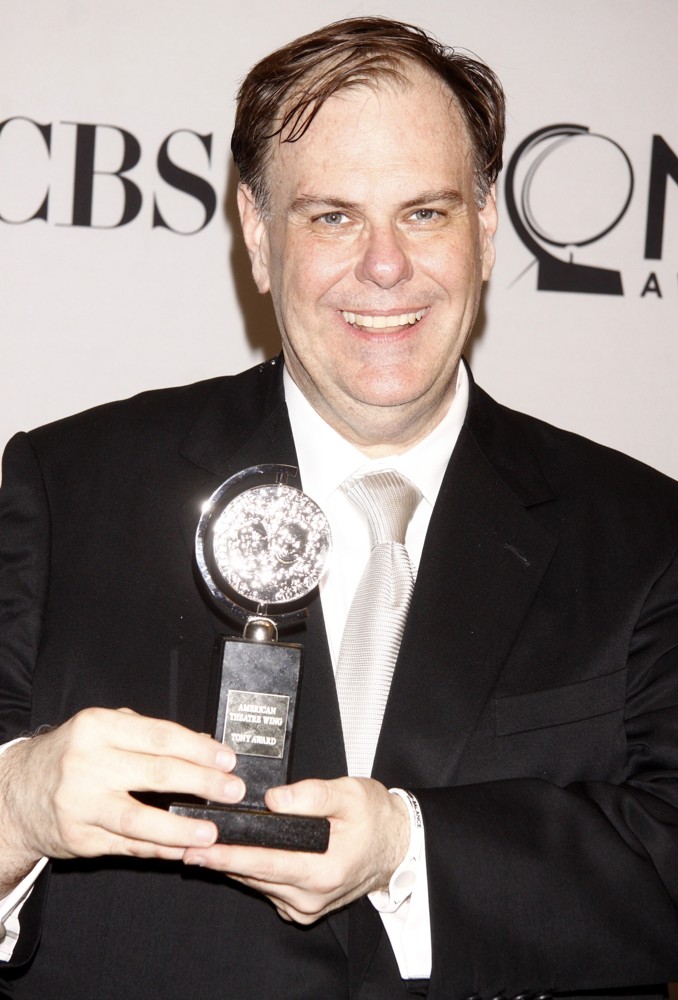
x,y
424,464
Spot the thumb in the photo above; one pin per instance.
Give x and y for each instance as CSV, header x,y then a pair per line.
x,y
312,797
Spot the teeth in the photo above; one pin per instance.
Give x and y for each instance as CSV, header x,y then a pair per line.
x,y
383,322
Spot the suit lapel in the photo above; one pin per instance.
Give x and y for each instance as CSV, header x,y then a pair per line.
x,y
243,422
484,558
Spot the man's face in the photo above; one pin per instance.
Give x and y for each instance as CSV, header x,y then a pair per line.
x,y
374,252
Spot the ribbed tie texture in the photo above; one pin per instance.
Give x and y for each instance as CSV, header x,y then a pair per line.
x,y
376,619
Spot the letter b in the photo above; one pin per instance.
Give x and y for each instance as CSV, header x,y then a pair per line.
x,y
85,171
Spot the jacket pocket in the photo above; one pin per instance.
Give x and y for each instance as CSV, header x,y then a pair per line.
x,y
587,699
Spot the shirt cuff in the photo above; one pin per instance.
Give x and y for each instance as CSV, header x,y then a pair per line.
x,y
404,878
404,908
10,908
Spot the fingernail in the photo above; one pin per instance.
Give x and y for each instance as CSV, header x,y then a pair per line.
x,y
204,836
195,860
225,759
234,789
281,796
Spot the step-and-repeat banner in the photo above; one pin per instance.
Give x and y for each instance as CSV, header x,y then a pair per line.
x,y
122,268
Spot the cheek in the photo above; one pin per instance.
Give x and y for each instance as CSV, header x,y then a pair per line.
x,y
310,273
453,251
456,270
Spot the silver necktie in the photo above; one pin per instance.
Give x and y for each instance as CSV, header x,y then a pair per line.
x,y
376,618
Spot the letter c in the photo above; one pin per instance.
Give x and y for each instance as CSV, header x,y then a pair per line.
x,y
46,133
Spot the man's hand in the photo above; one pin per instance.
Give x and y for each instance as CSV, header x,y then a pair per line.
x,y
369,835
66,793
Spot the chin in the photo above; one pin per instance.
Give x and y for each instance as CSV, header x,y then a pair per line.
x,y
389,390
388,399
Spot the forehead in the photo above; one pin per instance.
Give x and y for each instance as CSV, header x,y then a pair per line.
x,y
386,129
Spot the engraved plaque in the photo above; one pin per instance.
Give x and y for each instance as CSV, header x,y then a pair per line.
x,y
256,723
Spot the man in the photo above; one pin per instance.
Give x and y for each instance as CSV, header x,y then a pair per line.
x,y
531,719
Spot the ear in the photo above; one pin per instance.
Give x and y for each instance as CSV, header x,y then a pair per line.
x,y
255,232
488,227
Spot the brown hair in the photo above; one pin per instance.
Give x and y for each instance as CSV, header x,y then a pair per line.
x,y
283,93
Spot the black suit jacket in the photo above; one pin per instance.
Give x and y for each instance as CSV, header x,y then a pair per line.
x,y
534,706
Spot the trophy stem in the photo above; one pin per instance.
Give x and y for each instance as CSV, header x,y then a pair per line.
x,y
260,629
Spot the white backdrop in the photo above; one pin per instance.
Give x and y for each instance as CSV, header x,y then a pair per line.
x,y
91,310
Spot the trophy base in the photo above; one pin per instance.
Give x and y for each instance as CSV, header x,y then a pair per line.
x,y
261,828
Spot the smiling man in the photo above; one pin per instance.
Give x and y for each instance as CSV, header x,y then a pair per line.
x,y
503,791
374,249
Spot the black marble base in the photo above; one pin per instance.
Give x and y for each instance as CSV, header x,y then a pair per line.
x,y
260,828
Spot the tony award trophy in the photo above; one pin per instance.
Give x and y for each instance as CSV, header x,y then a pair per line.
x,y
261,547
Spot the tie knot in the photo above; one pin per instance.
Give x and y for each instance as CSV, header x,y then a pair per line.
x,y
388,499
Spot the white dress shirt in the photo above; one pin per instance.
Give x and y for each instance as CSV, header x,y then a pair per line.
x,y
404,908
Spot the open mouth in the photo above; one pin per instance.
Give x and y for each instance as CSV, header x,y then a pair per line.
x,y
383,322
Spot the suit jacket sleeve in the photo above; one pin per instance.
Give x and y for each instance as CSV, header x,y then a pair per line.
x,y
24,540
24,567
533,886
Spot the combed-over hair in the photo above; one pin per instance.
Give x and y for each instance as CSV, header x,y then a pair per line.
x,y
283,93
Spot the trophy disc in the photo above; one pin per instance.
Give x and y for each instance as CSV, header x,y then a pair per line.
x,y
271,544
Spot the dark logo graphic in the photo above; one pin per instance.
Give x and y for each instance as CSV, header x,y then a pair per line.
x,y
567,188
41,157
538,209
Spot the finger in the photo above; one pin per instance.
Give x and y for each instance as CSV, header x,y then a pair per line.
x,y
265,866
119,824
290,903
137,823
128,730
283,904
142,773
315,797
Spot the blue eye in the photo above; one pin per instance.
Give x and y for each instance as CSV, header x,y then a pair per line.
x,y
333,218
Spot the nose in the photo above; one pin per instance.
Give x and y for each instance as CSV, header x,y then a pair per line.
x,y
384,260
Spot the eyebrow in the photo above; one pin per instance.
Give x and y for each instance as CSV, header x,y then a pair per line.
x,y
449,195
306,202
